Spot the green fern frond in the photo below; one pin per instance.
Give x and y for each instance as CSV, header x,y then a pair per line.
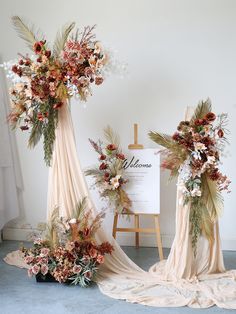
x,y
61,38
35,134
202,109
27,33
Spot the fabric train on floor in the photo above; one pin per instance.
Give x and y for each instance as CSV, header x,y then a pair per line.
x,y
201,282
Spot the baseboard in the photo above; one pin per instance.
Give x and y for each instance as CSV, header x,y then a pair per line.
x,y
147,240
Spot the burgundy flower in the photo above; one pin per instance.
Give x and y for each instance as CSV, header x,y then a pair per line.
x,y
98,80
210,117
27,62
103,166
199,122
106,176
111,147
21,62
176,136
120,156
220,133
14,69
102,157
48,53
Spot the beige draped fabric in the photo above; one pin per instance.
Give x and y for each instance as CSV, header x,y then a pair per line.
x,y
179,281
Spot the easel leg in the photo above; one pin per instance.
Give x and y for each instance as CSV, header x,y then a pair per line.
x,y
158,234
136,221
115,225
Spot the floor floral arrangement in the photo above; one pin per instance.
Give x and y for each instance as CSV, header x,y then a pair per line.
x,y
193,153
109,174
44,81
68,252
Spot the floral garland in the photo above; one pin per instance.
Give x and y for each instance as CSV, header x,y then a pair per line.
x,y
68,252
109,174
193,153
44,81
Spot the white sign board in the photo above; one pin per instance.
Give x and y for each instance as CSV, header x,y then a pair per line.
x,y
142,169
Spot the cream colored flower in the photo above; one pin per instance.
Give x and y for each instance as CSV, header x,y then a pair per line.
x,y
199,146
115,181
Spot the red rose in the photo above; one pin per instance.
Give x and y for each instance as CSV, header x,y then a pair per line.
x,y
21,62
210,117
102,157
111,147
103,166
120,156
220,133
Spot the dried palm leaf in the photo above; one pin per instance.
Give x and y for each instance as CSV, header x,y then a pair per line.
x,y
125,200
212,197
80,208
61,38
202,109
207,224
162,139
27,33
110,136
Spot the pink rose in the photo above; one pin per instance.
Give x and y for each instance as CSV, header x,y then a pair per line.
x,y
45,251
93,253
44,269
77,269
100,259
29,259
88,274
35,269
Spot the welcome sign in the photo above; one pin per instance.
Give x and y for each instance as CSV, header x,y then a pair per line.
x,y
142,169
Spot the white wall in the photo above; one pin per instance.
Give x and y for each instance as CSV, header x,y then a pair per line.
x,y
178,52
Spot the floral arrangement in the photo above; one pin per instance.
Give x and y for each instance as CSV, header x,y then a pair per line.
x,y
44,81
69,253
193,153
109,174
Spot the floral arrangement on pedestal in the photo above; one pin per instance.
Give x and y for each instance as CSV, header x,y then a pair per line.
x,y
193,153
109,174
43,82
68,252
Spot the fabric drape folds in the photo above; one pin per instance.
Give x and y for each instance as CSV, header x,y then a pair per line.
x,y
11,183
179,281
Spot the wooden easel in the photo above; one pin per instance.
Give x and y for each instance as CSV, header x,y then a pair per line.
x,y
137,228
